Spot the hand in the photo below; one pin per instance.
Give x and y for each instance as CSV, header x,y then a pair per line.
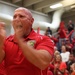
x,y
56,66
18,28
18,35
2,33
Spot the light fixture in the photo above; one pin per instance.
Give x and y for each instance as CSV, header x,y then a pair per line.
x,y
56,6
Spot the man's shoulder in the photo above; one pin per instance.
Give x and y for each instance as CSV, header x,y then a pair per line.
x,y
43,37
9,37
38,36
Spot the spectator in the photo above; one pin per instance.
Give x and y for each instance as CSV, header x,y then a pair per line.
x,y
70,26
56,52
48,31
64,54
70,62
73,69
51,65
26,52
59,66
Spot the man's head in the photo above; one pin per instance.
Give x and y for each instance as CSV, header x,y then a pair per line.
x,y
22,20
70,21
63,48
71,57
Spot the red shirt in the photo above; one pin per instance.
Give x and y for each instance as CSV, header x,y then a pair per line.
x,y
73,73
62,30
62,33
15,61
49,73
61,67
55,40
2,69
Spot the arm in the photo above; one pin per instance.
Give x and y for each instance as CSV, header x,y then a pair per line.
x,y
54,39
63,68
58,70
40,58
2,37
70,34
2,54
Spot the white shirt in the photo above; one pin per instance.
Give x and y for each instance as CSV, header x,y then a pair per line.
x,y
65,56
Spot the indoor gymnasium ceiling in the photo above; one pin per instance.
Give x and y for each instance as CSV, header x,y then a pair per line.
x,y
44,5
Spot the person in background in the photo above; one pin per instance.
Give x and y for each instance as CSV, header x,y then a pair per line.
x,y
51,65
70,26
48,31
73,69
70,62
64,54
60,68
25,52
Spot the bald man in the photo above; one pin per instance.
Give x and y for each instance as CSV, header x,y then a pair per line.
x,y
25,52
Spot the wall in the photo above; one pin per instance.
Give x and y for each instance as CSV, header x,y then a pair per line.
x,y
8,9
66,19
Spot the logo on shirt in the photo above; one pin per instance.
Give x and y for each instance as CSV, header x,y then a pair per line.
x,y
31,43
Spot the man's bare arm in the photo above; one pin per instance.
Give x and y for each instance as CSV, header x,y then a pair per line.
x,y
2,38
40,58
2,55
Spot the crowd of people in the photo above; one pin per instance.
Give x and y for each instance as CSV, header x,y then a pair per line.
x,y
64,55
29,53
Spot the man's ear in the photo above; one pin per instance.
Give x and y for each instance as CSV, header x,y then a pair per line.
x,y
32,20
